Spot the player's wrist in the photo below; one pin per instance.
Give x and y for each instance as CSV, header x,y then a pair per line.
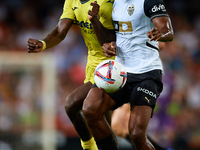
x,y
93,19
43,45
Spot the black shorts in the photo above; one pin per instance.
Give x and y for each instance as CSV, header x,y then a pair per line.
x,y
140,89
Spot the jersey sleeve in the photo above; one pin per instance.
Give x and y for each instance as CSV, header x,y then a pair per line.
x,y
155,8
106,14
68,12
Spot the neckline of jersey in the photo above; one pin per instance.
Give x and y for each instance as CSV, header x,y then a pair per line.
x,y
84,1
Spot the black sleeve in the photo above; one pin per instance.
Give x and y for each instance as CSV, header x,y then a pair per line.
x,y
155,8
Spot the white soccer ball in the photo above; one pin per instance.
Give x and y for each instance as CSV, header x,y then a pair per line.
x,y
110,75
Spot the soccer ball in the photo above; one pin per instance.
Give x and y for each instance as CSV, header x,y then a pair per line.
x,y
110,75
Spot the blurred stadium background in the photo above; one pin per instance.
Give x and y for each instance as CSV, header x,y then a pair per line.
x,y
33,87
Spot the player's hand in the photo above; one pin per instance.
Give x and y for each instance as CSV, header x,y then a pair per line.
x,y
154,34
93,10
34,46
109,49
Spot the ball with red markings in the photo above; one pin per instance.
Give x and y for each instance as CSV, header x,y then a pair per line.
x,y
110,75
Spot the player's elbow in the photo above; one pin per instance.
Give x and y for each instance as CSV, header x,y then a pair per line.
x,y
168,37
57,33
171,36
62,35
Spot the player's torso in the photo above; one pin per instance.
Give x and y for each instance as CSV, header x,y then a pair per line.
x,y
130,20
131,25
80,8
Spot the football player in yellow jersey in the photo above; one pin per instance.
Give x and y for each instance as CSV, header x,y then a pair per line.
x,y
76,12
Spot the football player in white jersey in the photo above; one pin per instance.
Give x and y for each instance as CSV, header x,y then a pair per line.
x,y
139,25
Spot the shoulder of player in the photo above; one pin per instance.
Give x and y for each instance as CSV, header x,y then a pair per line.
x,y
154,7
150,3
107,2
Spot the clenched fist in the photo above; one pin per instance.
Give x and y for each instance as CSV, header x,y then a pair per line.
x,y
34,46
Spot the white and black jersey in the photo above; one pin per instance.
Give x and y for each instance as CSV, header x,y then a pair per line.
x,y
132,19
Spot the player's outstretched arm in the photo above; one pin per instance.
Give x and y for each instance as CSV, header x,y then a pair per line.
x,y
162,31
52,39
104,35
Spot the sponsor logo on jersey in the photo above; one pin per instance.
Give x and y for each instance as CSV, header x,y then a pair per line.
x,y
158,8
83,24
110,1
74,8
131,10
146,92
125,26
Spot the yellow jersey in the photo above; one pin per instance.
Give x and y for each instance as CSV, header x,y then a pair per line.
x,y
77,11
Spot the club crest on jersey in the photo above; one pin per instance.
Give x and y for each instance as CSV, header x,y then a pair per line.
x,y
131,10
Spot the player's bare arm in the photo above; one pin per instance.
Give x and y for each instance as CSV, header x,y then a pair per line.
x,y
162,31
52,39
109,49
104,35
93,11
